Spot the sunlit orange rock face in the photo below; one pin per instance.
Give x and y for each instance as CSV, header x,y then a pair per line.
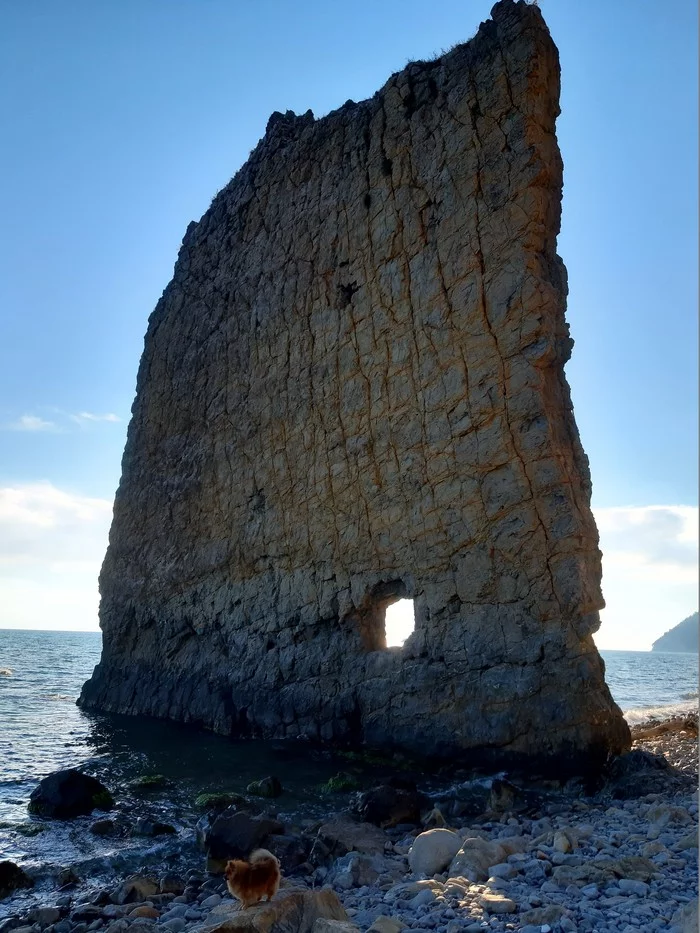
x,y
353,390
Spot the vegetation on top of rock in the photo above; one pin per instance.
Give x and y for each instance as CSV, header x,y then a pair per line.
x,y
270,786
342,781
149,782
219,801
682,637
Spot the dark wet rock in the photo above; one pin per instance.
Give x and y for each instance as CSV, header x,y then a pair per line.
x,y
69,793
640,772
66,877
146,827
291,849
85,913
102,898
11,923
465,800
338,837
270,786
388,805
171,884
503,795
235,835
103,828
44,916
12,878
31,829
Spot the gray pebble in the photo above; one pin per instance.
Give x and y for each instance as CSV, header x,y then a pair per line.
x,y
176,925
212,901
633,887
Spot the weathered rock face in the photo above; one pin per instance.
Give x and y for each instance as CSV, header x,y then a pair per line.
x,y
353,390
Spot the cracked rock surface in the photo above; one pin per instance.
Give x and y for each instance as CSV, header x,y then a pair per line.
x,y
353,390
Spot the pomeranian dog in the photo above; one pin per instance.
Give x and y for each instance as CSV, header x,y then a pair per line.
x,y
250,881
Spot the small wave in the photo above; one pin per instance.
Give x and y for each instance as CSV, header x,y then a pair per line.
x,y
644,714
689,696
5,672
57,696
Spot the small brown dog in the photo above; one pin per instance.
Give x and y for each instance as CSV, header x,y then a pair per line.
x,y
250,881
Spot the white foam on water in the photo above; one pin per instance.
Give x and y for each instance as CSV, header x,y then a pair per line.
x,y
643,714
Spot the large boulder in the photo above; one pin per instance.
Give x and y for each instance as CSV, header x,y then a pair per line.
x,y
432,851
234,835
69,793
291,911
341,836
477,855
388,805
12,878
686,917
640,772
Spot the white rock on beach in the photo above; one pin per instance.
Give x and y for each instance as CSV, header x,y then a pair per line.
x,y
433,851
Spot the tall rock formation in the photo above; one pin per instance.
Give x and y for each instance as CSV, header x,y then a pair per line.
x,y
353,390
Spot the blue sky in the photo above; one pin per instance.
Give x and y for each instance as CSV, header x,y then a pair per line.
x,y
121,122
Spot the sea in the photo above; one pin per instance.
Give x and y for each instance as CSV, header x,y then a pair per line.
x,y
42,730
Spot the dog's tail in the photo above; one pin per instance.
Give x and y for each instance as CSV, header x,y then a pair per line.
x,y
262,855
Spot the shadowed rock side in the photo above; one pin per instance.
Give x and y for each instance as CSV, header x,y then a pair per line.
x,y
353,390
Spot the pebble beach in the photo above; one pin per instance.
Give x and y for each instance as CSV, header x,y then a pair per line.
x,y
536,860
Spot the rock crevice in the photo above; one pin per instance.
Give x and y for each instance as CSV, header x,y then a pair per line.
x,y
353,383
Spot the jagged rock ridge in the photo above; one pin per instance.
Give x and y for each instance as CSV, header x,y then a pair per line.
x,y
353,390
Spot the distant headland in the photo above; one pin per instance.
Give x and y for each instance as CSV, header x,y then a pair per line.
x,y
682,637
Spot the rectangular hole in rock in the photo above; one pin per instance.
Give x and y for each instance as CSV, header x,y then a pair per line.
x,y
399,622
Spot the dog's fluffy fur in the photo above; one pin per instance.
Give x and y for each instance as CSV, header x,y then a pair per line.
x,y
250,881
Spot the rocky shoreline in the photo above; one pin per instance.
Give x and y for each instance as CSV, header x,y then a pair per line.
x,y
477,855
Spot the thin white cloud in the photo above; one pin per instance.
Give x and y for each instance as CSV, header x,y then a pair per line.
x,y
61,422
650,572
85,417
32,423
52,543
